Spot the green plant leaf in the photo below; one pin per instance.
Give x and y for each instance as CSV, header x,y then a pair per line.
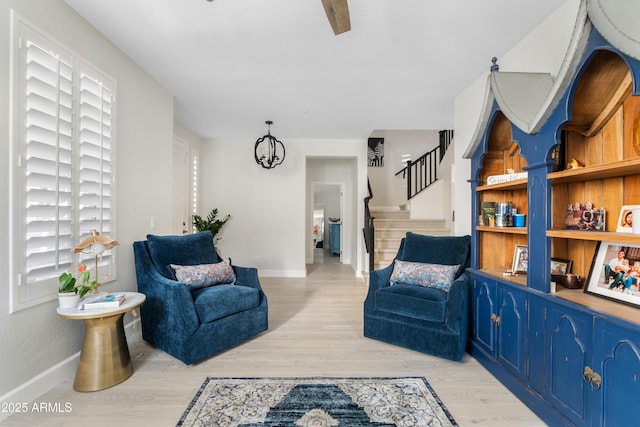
x,y
66,283
211,222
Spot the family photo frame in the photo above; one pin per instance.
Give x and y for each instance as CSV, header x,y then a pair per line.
x,y
625,218
520,263
561,266
615,273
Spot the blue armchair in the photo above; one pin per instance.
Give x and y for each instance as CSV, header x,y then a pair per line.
x,y
428,319
193,324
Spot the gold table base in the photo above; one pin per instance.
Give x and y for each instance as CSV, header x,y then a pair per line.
x,y
104,358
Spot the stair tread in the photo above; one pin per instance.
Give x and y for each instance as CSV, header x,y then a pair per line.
x,y
390,230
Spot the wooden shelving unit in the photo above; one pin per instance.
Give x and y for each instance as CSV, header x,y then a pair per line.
x,y
575,350
601,305
609,170
497,244
506,230
519,184
595,236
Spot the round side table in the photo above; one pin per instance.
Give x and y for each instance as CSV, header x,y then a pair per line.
x,y
104,358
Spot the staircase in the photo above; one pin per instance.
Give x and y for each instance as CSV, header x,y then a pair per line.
x,y
386,226
392,224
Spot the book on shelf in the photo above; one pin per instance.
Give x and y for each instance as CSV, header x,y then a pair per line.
x,y
101,301
487,213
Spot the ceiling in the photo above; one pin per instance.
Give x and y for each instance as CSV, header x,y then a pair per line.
x,y
233,64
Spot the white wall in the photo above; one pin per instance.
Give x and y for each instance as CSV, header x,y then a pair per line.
x,y
541,51
270,208
195,142
390,190
36,339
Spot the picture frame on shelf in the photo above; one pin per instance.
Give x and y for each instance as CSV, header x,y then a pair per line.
x,y
583,216
625,219
615,273
520,262
561,266
558,154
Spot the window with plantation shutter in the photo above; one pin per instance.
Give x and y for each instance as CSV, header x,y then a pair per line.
x,y
63,168
95,177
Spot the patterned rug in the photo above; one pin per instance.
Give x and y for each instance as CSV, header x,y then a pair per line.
x,y
316,402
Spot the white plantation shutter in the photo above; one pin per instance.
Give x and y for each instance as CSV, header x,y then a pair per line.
x,y
47,156
95,160
64,166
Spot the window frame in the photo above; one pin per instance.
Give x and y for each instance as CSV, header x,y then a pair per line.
x,y
25,291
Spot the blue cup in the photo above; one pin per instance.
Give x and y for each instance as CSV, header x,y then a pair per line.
x,y
518,220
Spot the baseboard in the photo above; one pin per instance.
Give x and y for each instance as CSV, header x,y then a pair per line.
x,y
282,273
40,384
31,390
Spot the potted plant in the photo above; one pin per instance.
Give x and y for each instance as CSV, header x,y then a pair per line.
x,y
210,223
71,289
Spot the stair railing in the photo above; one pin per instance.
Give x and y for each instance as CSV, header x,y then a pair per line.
x,y
369,229
423,172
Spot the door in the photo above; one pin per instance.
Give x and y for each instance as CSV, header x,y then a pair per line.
x,y
181,222
511,321
617,361
569,338
484,314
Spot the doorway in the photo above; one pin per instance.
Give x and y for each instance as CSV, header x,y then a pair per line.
x,y
328,214
332,182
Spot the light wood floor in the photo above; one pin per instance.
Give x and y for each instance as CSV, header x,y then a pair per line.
x,y
315,329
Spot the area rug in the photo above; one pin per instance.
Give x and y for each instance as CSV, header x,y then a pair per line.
x,y
317,402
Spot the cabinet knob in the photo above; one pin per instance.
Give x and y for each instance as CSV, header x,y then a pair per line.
x,y
495,319
591,377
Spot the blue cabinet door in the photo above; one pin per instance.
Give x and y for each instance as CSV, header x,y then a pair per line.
x,y
536,354
512,323
569,341
484,313
616,358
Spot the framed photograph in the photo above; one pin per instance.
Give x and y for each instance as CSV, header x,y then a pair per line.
x,y
585,217
624,219
561,266
375,152
520,259
558,154
615,273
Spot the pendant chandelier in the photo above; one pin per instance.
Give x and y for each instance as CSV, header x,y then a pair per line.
x,y
269,152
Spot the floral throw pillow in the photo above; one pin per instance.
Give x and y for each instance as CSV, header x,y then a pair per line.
x,y
428,275
203,275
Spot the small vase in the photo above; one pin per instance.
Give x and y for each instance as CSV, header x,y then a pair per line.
x,y
68,300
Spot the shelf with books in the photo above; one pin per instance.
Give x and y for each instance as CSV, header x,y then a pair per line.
x,y
574,217
497,238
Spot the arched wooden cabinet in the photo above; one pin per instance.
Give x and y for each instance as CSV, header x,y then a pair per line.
x,y
572,357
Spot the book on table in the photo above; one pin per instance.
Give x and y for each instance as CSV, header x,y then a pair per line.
x,y
101,301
